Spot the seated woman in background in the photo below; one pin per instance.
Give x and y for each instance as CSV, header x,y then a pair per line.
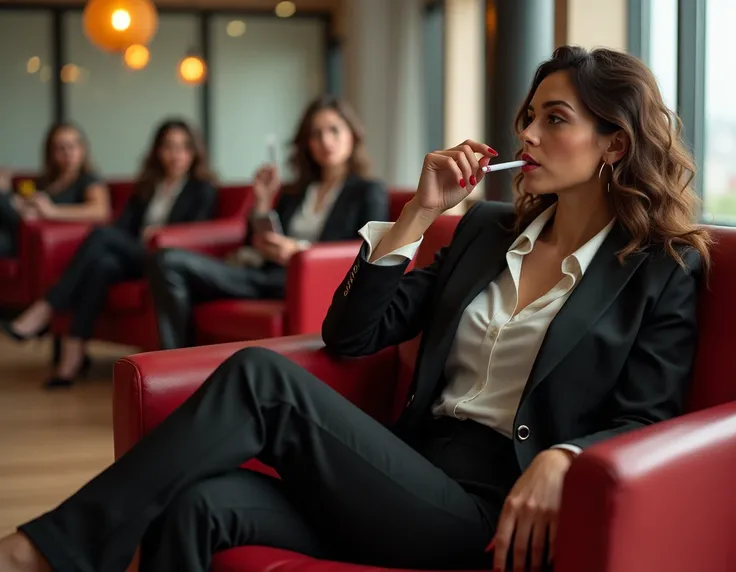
x,y
67,190
330,201
175,186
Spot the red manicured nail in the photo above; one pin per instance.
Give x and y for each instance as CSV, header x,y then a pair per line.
x,y
472,180
491,545
493,152
462,183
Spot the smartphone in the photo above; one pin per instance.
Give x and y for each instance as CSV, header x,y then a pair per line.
x,y
267,223
272,150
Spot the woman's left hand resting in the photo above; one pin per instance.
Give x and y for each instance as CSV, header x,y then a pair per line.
x,y
43,205
276,247
531,510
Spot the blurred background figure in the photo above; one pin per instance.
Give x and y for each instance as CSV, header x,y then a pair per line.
x,y
67,190
330,200
175,186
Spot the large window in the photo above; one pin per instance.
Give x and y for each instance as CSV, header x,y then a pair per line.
x,y
663,48
26,89
264,72
118,107
720,114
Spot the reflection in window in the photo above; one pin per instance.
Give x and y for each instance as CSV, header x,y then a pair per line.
x,y
26,111
720,114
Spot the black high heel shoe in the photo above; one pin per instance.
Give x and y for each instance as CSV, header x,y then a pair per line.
x,y
58,382
7,328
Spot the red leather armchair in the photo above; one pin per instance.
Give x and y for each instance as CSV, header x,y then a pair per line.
x,y
657,499
311,280
129,316
44,250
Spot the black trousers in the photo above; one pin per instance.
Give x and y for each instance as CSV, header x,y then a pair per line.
x,y
9,226
351,490
108,255
180,279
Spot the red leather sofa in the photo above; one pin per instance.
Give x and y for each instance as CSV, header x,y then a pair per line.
x,y
311,279
655,500
129,317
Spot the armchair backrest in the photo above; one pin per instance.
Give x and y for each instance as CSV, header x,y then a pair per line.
x,y
397,198
234,201
714,376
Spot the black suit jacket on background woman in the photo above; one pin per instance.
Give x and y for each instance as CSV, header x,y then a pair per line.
x,y
360,201
617,356
196,202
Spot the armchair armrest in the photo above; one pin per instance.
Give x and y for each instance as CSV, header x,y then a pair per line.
x,y
311,280
215,237
149,386
53,245
659,498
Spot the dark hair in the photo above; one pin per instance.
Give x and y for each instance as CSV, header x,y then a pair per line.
x,y
651,187
153,171
51,170
306,168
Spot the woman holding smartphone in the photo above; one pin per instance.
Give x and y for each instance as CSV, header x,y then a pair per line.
x,y
331,199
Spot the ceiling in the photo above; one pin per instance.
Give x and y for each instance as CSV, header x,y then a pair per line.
x,y
309,5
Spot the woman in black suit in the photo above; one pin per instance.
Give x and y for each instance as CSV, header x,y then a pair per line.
x,y
331,200
546,328
175,187
67,190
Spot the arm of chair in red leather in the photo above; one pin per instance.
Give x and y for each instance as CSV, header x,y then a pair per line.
x,y
658,498
149,386
52,246
215,237
311,280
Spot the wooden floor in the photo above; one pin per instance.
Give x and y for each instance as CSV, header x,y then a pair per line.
x,y
51,443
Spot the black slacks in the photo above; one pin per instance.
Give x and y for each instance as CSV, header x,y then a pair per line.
x,y
180,279
9,226
108,255
351,490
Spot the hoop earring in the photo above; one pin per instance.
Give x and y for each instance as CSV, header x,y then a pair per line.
x,y
600,171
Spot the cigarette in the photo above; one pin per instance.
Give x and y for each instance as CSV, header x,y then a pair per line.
x,y
502,166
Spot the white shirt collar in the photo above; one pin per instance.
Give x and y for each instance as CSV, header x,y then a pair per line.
x,y
584,255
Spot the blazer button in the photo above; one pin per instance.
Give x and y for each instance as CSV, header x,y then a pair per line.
x,y
410,401
522,432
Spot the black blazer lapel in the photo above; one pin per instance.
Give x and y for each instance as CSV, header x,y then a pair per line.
x,y
603,281
184,203
335,221
483,261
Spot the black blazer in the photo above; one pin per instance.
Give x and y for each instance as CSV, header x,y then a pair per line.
x,y
617,356
360,201
196,202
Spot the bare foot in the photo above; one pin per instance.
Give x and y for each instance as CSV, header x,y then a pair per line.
x,y
18,554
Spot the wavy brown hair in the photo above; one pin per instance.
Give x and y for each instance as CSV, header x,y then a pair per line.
x,y
153,171
51,170
305,167
651,188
